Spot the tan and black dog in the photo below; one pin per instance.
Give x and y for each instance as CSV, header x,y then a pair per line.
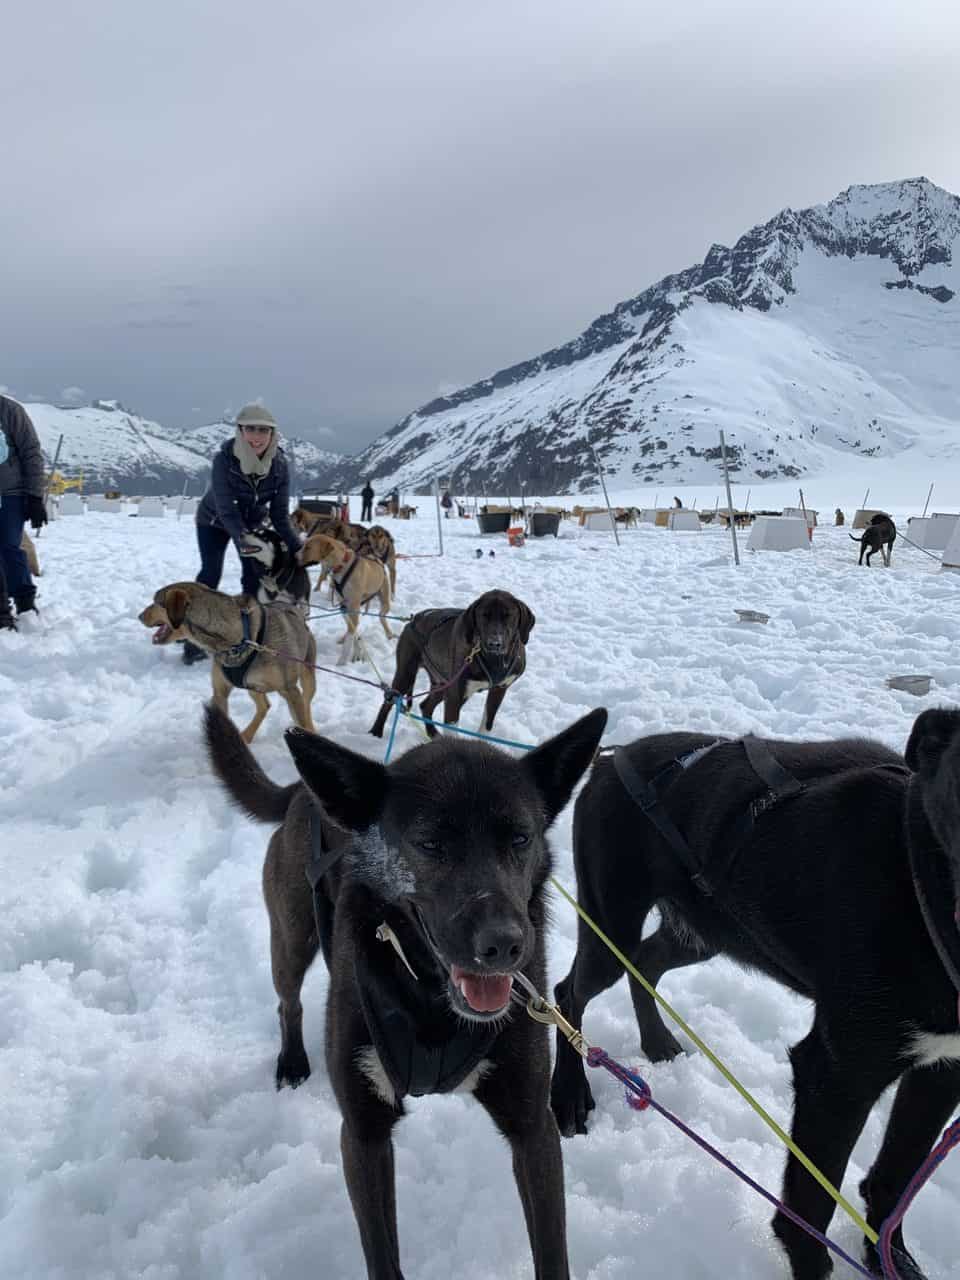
x,y
462,651
224,625
423,883
357,579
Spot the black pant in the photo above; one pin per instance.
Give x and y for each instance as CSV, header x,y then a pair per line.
x,y
213,543
367,513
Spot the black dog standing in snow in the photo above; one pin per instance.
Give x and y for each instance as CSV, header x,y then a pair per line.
x,y
879,535
423,883
833,867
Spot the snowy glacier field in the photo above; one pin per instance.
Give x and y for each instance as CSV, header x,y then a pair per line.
x,y
140,1132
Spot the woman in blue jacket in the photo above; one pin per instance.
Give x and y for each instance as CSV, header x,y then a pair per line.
x,y
249,483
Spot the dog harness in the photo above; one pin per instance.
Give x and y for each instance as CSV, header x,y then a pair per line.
x,y
340,583
423,1046
780,783
236,660
493,673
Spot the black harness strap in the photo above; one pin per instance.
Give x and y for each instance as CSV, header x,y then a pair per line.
x,y
397,1008
780,783
646,795
237,660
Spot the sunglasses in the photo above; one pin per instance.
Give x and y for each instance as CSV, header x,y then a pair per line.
x,y
257,431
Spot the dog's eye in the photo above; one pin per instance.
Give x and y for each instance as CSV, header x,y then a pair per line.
x,y
428,846
518,840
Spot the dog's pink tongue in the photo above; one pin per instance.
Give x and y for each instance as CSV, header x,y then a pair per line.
x,y
485,993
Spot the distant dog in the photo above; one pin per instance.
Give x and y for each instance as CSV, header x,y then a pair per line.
x,y
627,516
462,651
281,580
380,544
224,626
424,888
831,868
879,535
357,579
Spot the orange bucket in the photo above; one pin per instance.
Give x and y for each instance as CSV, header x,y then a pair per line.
x,y
515,536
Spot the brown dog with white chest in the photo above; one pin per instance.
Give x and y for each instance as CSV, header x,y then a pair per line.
x,y
462,651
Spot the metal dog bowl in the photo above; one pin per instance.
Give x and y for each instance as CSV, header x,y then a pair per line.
x,y
918,685
751,615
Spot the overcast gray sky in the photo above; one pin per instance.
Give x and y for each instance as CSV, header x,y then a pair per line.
x,y
346,209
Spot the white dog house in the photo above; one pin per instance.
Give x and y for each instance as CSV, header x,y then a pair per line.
x,y
71,504
105,504
863,515
595,520
797,513
779,533
150,507
933,533
951,554
683,519
187,507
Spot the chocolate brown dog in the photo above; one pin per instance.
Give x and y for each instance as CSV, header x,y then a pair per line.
x,y
462,651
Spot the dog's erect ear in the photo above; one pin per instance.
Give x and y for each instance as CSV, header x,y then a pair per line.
x,y
558,765
351,788
176,602
932,733
526,623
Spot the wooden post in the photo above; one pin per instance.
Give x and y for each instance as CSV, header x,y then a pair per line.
x,y
863,504
53,471
726,477
925,505
182,498
806,518
606,497
746,505
436,498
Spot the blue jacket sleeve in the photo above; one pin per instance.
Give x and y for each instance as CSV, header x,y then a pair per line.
x,y
225,502
280,510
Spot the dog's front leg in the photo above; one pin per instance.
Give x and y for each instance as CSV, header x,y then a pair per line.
x,y
521,1113
367,1152
495,696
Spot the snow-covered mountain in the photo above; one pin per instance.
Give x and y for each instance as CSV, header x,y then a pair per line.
x,y
836,328
115,448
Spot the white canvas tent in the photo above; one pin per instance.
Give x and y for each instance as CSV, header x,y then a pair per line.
x,y
71,504
933,533
684,519
779,533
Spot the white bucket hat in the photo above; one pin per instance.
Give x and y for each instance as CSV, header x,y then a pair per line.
x,y
255,415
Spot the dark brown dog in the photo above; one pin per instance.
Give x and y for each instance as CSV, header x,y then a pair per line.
x,y
879,535
463,650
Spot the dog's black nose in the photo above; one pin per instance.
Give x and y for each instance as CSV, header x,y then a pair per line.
x,y
498,944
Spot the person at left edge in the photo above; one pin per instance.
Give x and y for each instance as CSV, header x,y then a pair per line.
x,y
21,499
249,482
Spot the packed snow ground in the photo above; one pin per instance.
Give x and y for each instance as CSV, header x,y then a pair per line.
x,y
140,1133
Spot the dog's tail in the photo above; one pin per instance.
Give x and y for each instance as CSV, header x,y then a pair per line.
x,y
235,765
854,537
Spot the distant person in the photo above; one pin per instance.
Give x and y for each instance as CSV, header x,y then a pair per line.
x,y
677,502
249,483
367,494
447,503
838,517
394,500
21,499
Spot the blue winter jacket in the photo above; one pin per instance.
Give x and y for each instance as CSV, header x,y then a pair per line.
x,y
240,503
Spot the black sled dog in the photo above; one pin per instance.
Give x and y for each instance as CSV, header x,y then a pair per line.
x,y
833,867
879,535
434,867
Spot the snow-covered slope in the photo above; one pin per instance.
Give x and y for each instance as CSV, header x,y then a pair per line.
x,y
115,448
836,325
